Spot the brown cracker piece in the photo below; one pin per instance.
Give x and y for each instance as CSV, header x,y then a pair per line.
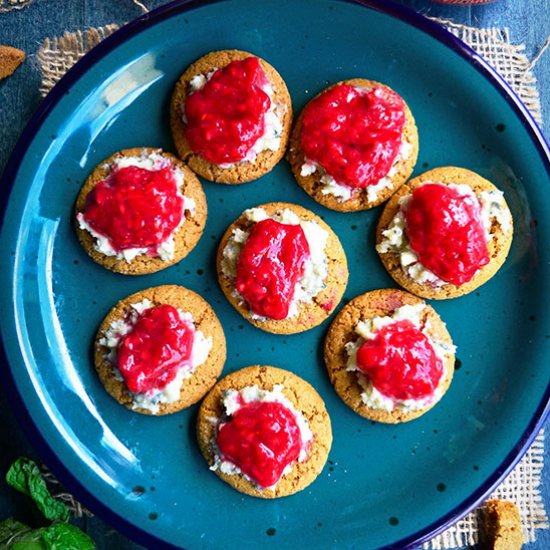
x,y
304,398
310,314
10,59
502,525
498,245
342,330
312,184
239,172
205,319
186,237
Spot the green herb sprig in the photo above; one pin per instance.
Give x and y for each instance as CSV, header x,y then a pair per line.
x,y
25,476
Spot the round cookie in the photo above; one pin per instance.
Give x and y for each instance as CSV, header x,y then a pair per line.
x,y
498,244
305,400
185,237
359,200
379,303
205,320
310,313
242,171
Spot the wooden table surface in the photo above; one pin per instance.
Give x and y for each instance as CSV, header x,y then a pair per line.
x,y
527,20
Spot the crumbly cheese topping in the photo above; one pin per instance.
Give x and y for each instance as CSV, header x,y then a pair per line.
x,y
493,208
366,330
270,140
315,273
233,400
119,328
395,240
329,186
166,249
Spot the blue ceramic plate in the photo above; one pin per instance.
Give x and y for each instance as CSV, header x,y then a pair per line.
x,y
391,486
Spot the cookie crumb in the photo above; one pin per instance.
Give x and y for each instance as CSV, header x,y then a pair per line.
x,y
502,525
10,59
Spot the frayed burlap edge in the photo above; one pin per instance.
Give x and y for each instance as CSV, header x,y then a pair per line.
x,y
508,59
9,5
59,54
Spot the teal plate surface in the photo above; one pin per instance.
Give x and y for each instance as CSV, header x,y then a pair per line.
x,y
384,485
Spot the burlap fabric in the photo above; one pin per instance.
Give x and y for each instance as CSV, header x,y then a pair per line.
x,y
8,5
57,55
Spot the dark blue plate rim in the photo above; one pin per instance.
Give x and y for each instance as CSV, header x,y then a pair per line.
x,y
8,179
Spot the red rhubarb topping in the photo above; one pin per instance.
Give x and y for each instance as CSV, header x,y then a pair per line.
x,y
354,134
446,232
261,438
159,344
400,362
225,118
270,264
135,208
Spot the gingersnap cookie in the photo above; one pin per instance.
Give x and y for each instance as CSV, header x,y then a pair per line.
x,y
282,268
353,145
265,431
231,116
444,233
140,211
160,350
389,356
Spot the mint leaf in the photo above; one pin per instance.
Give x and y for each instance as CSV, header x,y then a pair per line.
x,y
30,541
26,545
64,536
24,475
9,528
15,535
18,536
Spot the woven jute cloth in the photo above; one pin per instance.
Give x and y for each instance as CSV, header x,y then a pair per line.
x,y
9,5
58,54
